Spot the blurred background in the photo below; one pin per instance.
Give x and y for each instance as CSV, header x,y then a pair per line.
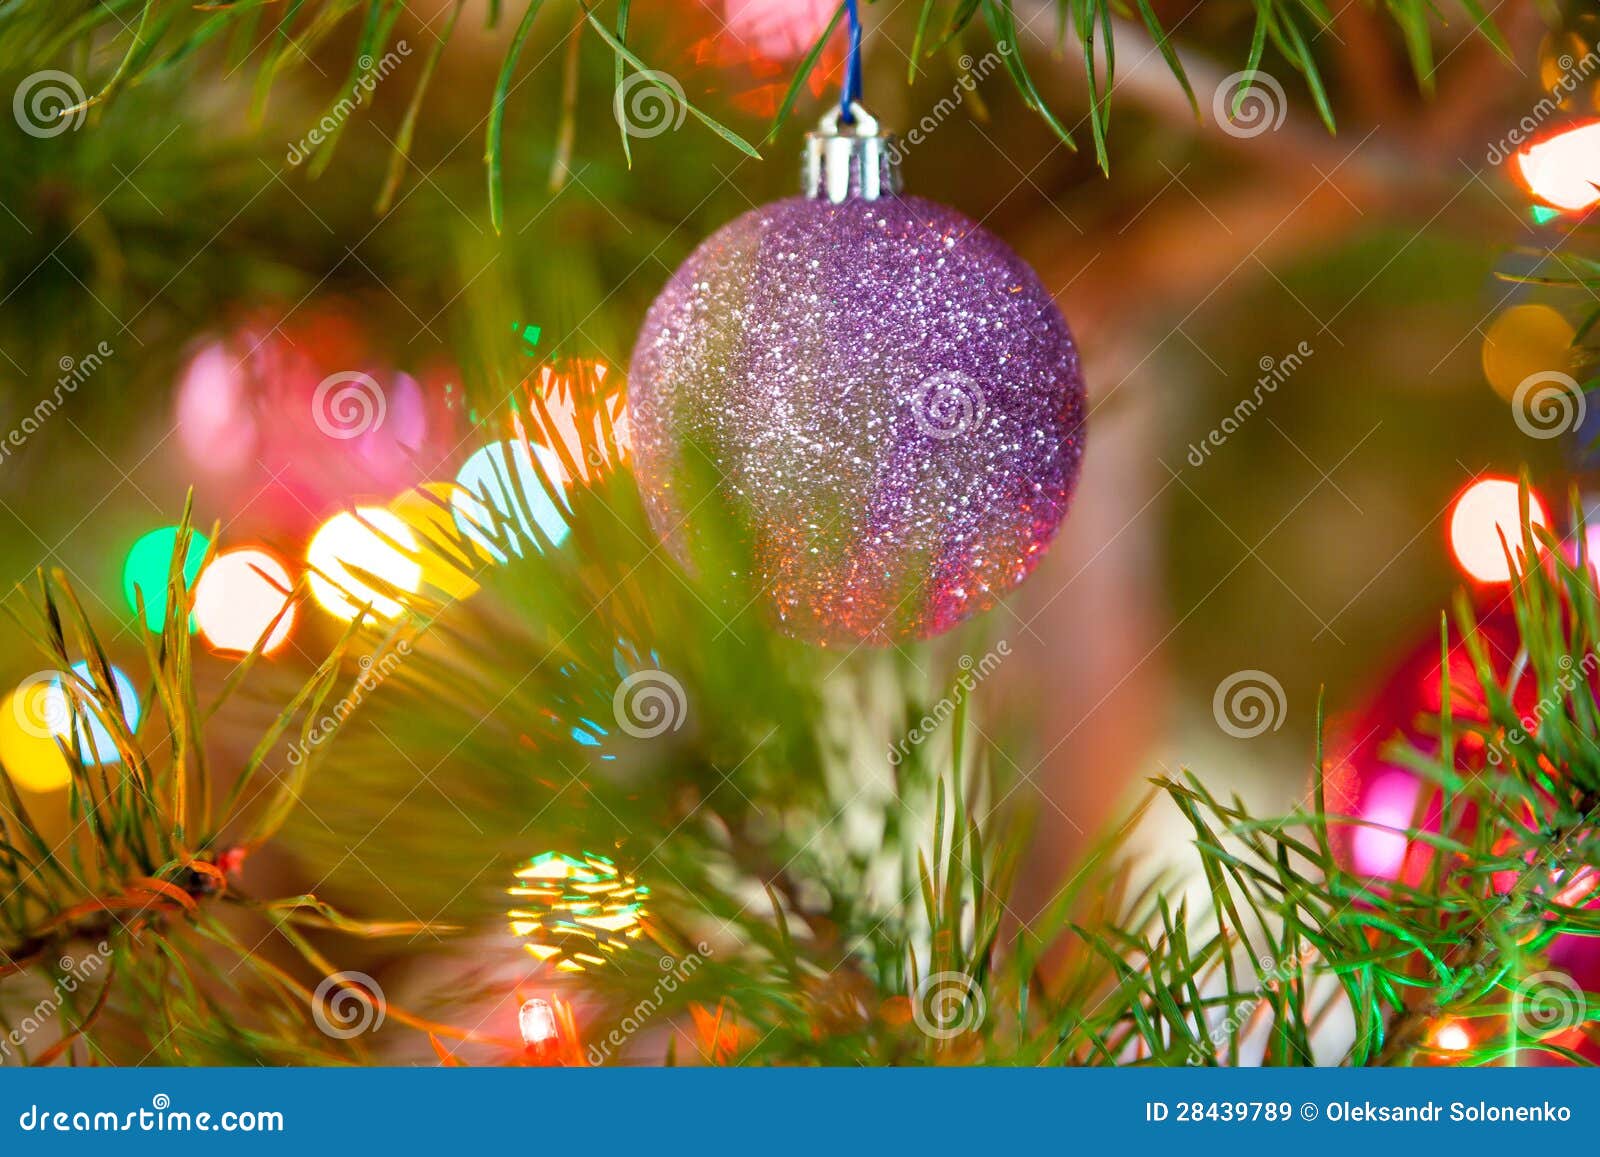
x,y
196,246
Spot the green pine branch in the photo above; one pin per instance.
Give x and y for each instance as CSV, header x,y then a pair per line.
x,y
127,42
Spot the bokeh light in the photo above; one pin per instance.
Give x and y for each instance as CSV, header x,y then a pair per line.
x,y
1486,511
1522,341
778,29
239,595
1451,1036
215,422
27,747
446,566
94,741
504,475
1564,168
580,415
1391,802
149,563
371,540
575,911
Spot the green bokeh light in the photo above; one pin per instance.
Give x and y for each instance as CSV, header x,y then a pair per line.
x,y
145,573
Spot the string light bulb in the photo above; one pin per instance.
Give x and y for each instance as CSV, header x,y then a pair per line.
x,y
1451,1036
537,1021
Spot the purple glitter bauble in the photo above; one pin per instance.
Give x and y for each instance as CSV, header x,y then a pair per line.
x,y
883,395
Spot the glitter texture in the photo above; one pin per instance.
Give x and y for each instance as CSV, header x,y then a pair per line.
x,y
887,400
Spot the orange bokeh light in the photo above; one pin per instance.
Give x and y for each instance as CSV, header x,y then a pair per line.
x,y
1563,168
241,598
1486,519
576,413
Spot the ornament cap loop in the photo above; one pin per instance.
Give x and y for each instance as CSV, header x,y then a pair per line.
x,y
850,159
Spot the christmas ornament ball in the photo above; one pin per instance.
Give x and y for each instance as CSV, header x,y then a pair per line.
x,y
881,395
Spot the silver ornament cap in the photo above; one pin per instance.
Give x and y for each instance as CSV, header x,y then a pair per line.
x,y
850,160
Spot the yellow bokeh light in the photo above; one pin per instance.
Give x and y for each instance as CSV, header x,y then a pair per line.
x,y
348,547
238,597
445,565
1484,512
27,748
1523,341
573,913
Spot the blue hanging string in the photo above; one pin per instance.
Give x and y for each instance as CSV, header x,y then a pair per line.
x,y
852,67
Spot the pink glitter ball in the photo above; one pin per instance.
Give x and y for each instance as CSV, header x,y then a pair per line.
x,y
881,396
